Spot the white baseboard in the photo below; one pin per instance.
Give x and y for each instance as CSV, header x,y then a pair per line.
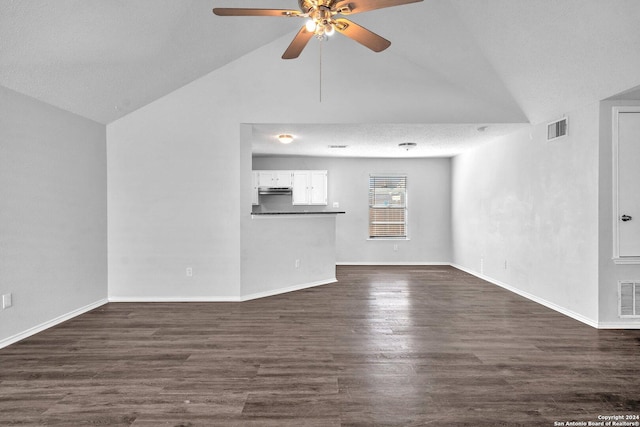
x,y
148,299
279,291
534,298
392,263
50,323
241,298
175,299
618,325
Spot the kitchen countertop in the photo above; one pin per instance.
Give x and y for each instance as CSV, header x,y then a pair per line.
x,y
297,212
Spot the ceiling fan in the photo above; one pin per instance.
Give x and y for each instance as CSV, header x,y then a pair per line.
x,y
323,20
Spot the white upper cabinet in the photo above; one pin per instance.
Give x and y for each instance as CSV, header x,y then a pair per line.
x,y
265,178
254,188
318,187
283,178
310,187
274,178
301,184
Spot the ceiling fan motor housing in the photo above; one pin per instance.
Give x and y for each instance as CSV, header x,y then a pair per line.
x,y
308,5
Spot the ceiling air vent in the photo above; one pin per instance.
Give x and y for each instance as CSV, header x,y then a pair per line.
x,y
557,129
629,299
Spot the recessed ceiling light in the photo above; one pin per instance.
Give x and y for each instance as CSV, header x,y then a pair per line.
x,y
407,145
285,138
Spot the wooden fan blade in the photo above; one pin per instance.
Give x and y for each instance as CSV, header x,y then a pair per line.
x,y
361,35
349,7
299,42
233,11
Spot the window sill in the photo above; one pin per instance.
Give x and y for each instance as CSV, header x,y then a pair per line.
x,y
388,238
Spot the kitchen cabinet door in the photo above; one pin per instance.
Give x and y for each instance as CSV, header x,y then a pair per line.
x,y
274,178
282,178
254,189
265,179
301,184
318,190
309,187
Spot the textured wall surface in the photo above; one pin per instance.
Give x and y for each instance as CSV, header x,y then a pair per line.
x,y
53,213
525,213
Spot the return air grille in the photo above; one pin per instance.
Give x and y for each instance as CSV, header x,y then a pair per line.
x,y
557,129
629,298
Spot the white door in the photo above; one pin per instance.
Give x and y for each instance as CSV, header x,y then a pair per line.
x,y
629,184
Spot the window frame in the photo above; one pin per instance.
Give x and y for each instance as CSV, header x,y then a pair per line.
x,y
371,196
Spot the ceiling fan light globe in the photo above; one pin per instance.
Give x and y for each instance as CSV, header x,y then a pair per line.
x,y
329,30
310,25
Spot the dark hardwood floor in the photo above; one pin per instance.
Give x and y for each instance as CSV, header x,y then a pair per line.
x,y
397,346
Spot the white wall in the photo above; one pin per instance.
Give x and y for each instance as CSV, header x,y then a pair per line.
x,y
609,272
272,245
533,205
429,206
173,198
178,169
53,223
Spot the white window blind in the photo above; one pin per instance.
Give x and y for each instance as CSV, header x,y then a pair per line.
x,y
387,206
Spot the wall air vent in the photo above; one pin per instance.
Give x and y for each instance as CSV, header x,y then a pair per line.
x,y
557,129
629,299
337,146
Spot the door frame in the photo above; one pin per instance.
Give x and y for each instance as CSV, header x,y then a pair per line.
x,y
616,212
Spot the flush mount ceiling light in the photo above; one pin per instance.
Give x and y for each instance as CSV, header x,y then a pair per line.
x,y
407,145
322,21
285,138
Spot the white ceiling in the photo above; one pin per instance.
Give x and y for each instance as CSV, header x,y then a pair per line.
x,y
500,63
377,139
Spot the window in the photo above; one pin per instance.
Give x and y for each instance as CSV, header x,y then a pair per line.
x,y
388,206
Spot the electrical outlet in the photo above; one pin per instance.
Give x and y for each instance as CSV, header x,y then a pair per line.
x,y
189,272
336,204
395,247
505,264
7,301
297,263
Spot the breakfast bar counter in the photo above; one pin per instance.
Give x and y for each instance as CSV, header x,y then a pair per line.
x,y
286,250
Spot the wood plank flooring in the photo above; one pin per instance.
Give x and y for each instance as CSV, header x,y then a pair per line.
x,y
385,346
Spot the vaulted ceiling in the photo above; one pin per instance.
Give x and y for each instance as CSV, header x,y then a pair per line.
x,y
486,62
